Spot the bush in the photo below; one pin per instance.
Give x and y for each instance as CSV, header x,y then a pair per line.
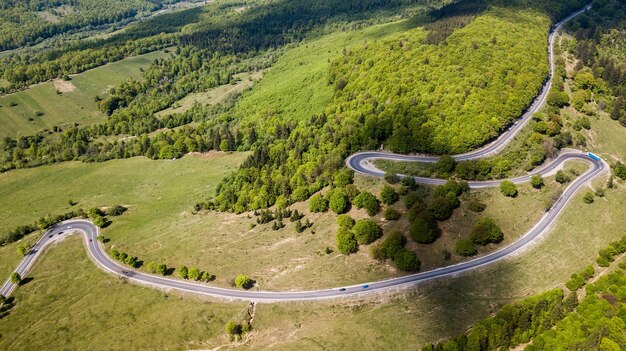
x,y
183,272
393,244
339,201
389,195
476,206
391,214
366,231
440,207
15,278
407,261
409,182
536,181
508,188
588,198
345,221
116,210
343,177
161,269
243,281
346,242
392,178
194,273
576,282
445,166
412,199
318,204
486,231
465,248
561,177
366,200
424,230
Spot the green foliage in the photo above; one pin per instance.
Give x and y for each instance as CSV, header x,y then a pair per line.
x,y
536,181
366,231
161,269
486,231
318,203
15,278
233,328
512,325
389,195
366,200
23,249
243,281
194,273
588,197
391,214
465,247
392,245
619,169
183,272
345,221
558,98
346,241
343,177
561,177
424,229
339,202
391,178
476,206
407,261
508,188
445,166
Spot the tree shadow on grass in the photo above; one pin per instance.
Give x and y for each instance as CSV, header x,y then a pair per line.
x,y
26,281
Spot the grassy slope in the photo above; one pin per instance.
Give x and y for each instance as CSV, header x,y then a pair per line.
x,y
91,310
70,107
155,191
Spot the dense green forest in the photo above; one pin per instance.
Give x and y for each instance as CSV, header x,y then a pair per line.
x,y
29,22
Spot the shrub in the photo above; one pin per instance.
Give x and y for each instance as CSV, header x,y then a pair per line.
x,y
409,182
243,281
366,200
536,181
389,195
345,221
576,282
588,198
407,261
366,231
161,269
318,204
424,230
393,244
343,177
465,248
339,201
476,206
412,199
508,188
194,273
392,178
445,165
183,272
440,208
391,214
15,278
486,231
346,242
561,177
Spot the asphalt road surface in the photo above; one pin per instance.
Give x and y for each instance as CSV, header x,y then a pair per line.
x,y
360,162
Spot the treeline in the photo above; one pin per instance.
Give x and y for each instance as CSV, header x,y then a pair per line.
x,y
599,34
513,325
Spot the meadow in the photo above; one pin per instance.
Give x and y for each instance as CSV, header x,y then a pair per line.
x,y
63,103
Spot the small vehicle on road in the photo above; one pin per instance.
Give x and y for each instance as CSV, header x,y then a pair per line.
x,y
365,286
342,289
50,236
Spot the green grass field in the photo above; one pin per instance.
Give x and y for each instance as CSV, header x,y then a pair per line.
x,y
75,104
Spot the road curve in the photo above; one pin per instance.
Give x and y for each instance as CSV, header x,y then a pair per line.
x,y
360,162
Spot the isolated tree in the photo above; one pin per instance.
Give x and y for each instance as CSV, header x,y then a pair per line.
x,y
536,181
161,269
366,231
407,261
465,247
318,204
183,271
346,242
508,188
339,201
389,195
151,267
206,277
194,273
243,281
23,249
16,278
424,230
440,207
486,231
346,221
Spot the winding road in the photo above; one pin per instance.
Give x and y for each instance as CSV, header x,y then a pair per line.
x,y
361,163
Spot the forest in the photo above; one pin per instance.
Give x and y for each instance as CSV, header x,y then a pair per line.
x,y
24,23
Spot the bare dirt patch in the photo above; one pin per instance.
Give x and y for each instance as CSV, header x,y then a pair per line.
x,y
63,86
